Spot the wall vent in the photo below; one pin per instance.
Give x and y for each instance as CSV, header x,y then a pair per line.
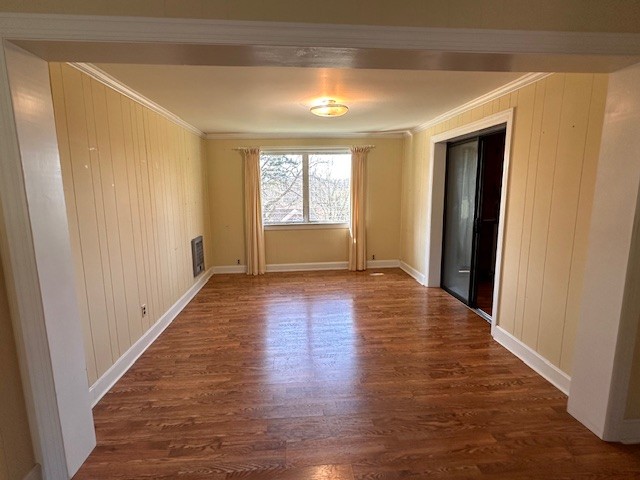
x,y
197,255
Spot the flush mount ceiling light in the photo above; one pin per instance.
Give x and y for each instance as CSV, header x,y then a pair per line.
x,y
329,108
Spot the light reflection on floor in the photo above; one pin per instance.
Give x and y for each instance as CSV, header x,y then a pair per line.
x,y
311,340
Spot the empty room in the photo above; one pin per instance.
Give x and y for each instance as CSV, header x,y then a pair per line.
x,y
344,240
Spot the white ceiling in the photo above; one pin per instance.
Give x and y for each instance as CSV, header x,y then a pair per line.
x,y
276,100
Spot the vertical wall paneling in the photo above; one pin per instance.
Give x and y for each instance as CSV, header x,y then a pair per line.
x,y
583,219
517,183
541,208
112,226
83,294
133,182
100,247
565,195
555,146
135,268
146,217
531,156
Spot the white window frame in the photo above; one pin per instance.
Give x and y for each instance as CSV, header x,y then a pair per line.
x,y
305,152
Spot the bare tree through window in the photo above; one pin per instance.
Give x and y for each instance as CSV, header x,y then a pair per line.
x,y
305,188
329,183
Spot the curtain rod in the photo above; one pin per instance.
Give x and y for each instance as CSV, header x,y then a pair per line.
x,y
304,149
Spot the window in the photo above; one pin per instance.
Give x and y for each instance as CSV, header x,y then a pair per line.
x,y
305,188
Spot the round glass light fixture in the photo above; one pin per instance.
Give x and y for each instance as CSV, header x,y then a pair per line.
x,y
329,108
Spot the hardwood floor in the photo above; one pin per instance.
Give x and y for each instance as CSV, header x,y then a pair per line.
x,y
335,376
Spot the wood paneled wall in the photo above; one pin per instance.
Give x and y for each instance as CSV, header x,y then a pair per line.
x,y
555,146
136,192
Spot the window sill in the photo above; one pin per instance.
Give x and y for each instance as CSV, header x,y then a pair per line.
x,y
307,226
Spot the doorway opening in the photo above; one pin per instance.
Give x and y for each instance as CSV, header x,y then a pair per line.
x,y
473,192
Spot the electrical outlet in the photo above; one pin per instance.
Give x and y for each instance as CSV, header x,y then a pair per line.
x,y
143,308
238,261
373,257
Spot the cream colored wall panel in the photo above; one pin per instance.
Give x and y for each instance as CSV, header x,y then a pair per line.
x,y
406,204
102,245
487,109
495,106
523,117
112,226
127,258
74,230
542,208
564,205
133,179
527,214
182,223
82,172
168,199
167,146
467,117
583,219
415,203
156,179
134,206
181,165
422,174
476,114
149,234
505,101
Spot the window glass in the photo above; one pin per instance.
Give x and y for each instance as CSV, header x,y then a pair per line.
x,y
308,187
329,183
282,188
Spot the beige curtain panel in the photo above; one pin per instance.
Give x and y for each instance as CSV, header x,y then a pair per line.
x,y
357,237
253,230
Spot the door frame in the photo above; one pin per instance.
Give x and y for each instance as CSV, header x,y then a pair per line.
x,y
435,196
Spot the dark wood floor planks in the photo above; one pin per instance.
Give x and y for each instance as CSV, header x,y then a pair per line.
x,y
335,376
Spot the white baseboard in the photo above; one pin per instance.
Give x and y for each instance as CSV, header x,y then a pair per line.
x,y
229,269
533,359
124,363
34,474
419,277
306,267
383,263
630,431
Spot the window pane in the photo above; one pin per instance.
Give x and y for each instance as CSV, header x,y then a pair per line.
x,y
281,177
329,183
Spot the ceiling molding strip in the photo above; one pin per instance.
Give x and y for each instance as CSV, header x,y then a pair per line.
x,y
268,136
518,83
21,26
115,84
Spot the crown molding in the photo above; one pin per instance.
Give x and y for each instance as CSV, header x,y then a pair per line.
x,y
115,84
26,26
518,83
296,135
